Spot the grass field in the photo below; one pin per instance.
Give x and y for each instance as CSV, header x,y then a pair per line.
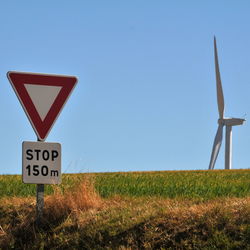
x,y
203,185
139,210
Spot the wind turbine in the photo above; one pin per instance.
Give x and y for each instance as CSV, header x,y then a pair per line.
x,y
222,121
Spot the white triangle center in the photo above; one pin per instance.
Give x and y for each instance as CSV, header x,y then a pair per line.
x,y
43,97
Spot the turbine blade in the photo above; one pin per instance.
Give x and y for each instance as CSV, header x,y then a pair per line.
x,y
216,146
220,97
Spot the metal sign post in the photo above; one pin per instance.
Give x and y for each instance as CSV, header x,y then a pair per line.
x,y
41,164
42,97
39,203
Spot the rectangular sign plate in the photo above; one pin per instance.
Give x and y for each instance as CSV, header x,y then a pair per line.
x,y
41,162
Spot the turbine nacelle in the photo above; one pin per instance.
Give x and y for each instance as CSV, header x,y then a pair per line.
x,y
231,121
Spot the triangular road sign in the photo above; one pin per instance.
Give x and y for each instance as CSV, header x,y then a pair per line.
x,y
42,97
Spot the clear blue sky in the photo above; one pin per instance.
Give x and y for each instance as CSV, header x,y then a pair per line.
x,y
145,98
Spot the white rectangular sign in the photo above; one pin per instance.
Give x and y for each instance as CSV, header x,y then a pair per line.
x,y
41,162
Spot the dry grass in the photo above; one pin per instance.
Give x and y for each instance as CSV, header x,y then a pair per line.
x,y
18,215
79,218
131,223
81,197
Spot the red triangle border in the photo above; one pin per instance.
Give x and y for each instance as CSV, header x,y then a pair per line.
x,y
18,79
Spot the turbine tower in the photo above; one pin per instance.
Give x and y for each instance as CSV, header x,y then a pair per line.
x,y
222,121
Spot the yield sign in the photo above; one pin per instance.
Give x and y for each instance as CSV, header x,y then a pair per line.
x,y
42,97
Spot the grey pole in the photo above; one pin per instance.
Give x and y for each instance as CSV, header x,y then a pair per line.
x,y
39,202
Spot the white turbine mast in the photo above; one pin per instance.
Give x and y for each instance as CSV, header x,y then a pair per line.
x,y
222,121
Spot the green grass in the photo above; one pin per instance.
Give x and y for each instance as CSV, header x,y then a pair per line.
x,y
176,184
12,186
201,185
